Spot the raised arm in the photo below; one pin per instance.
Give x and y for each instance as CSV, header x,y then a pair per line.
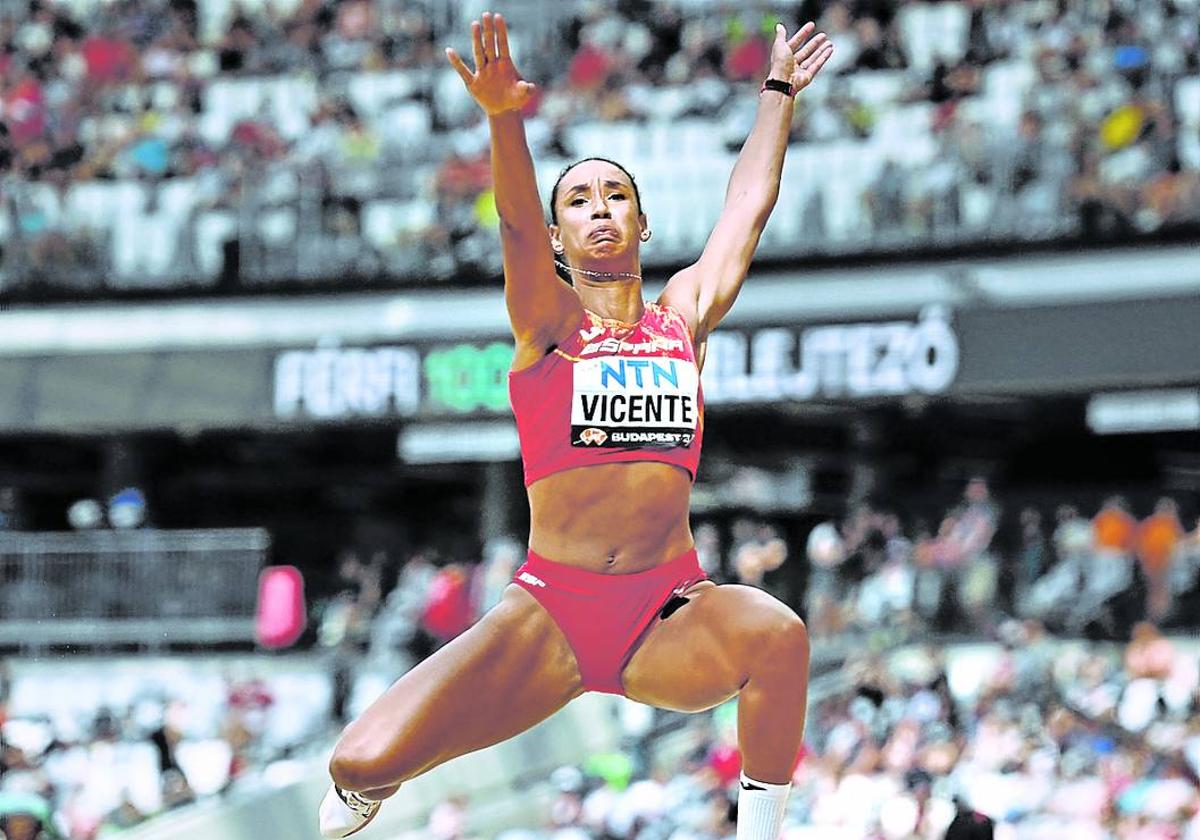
x,y
704,291
541,307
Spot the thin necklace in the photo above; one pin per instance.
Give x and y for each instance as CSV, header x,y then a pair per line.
x,y
599,273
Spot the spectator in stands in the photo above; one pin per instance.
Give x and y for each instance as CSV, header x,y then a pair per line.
x,y
352,623
177,791
969,824
448,610
248,702
885,597
18,825
838,21
748,49
1185,574
759,550
960,551
973,539
875,51
1149,655
1036,752
886,199
1073,535
1094,143
826,551
589,68
397,626
1157,540
1162,686
929,582
1037,166
127,815
366,579
1114,532
165,736
1034,557
448,820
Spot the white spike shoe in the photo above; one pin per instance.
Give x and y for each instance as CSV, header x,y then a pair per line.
x,y
344,812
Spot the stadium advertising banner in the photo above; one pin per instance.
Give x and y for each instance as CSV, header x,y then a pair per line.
x,y
833,361
820,362
934,352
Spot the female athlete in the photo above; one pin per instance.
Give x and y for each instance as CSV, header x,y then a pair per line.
x,y
605,389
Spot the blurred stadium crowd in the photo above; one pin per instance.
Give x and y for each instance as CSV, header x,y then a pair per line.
x,y
872,573
1049,739
89,753
159,143
1095,739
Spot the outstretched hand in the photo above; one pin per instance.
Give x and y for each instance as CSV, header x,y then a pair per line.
x,y
495,84
794,60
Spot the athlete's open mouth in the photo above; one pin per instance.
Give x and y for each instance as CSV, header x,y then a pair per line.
x,y
605,234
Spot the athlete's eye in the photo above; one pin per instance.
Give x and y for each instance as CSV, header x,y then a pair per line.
x,y
577,200
617,195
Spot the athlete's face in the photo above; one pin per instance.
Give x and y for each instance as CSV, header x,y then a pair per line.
x,y
598,214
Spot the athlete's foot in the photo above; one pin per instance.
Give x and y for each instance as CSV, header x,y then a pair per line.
x,y
344,812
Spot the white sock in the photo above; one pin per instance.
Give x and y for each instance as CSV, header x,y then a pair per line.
x,y
760,809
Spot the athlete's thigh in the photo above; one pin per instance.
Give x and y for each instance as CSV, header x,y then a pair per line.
x,y
703,654
509,671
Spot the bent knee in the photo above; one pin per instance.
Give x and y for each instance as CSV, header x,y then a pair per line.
x,y
353,769
785,642
358,765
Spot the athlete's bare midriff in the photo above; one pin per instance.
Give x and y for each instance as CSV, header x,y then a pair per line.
x,y
611,518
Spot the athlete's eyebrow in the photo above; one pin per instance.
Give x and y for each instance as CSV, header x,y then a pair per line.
x,y
610,184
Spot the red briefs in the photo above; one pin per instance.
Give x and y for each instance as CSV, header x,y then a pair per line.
x,y
605,617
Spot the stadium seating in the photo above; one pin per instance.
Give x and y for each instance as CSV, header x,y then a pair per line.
x,y
158,213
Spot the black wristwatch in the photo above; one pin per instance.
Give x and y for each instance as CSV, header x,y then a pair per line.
x,y
778,85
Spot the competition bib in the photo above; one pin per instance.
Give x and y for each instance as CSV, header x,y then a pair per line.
x,y
624,402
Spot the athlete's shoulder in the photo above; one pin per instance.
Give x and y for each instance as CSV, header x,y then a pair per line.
x,y
669,317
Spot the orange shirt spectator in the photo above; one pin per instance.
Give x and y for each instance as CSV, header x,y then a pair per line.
x,y
1113,528
1158,537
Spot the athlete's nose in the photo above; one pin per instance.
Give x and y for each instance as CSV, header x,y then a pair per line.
x,y
600,206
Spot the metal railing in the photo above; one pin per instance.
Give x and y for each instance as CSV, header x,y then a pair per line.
x,y
144,588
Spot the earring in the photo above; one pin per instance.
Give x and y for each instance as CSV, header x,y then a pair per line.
x,y
558,249
646,234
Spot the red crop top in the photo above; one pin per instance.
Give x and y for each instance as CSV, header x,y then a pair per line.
x,y
612,392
